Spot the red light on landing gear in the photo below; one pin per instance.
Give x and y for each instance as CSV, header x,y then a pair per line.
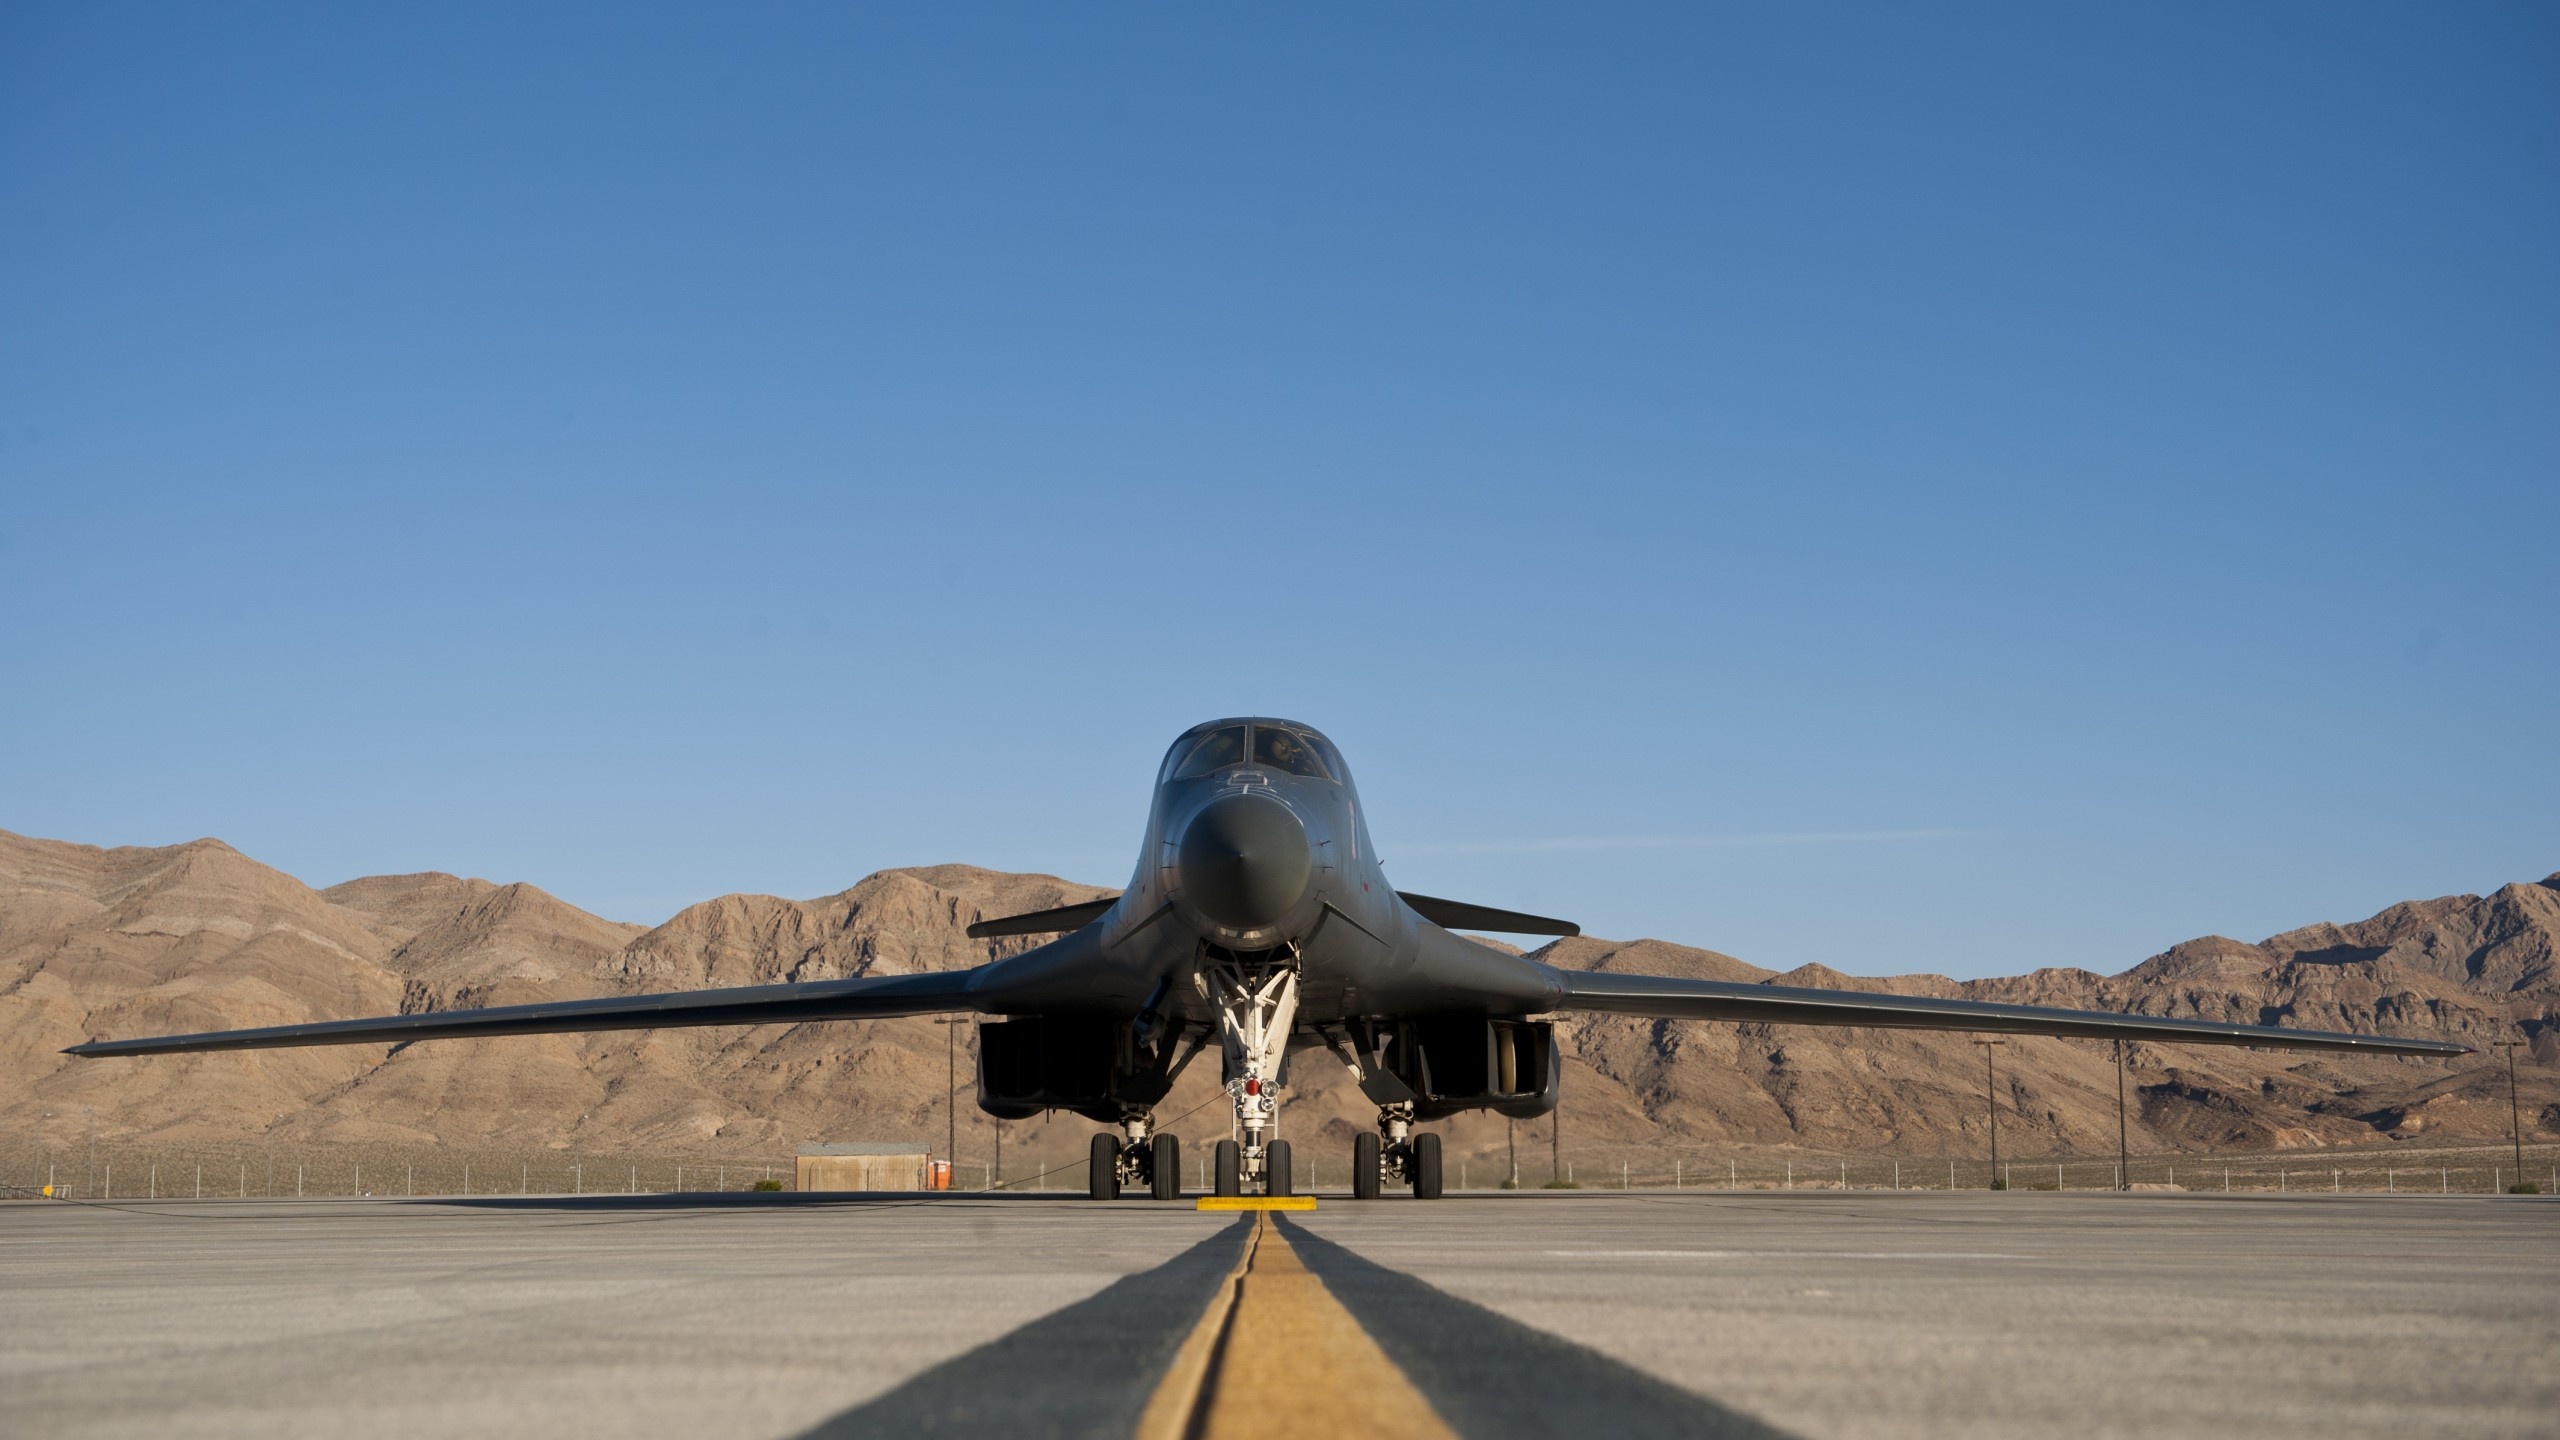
x,y
1253,1087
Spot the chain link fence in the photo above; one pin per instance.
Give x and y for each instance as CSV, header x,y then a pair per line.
x,y
126,1171
2450,1170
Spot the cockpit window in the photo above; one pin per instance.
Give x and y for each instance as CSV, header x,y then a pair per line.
x,y
1286,750
1332,759
1216,751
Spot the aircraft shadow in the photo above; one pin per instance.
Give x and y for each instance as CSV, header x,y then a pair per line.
x,y
1088,1370
1492,1376
1084,1371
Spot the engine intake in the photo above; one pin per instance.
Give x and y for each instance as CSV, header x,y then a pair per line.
x,y
1089,1065
1455,1063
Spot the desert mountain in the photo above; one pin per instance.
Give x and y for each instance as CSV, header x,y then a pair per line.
x,y
133,941
2470,968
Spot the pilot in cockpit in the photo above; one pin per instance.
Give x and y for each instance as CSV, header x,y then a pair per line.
x,y
1273,747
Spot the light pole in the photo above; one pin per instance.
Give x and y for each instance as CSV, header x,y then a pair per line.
x,y
951,1089
2515,1111
1991,1106
2124,1172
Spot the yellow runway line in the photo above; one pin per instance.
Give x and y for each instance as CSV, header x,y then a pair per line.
x,y
1169,1410
1255,1202
1276,1355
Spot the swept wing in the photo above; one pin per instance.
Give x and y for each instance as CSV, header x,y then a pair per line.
x,y
865,998
1670,996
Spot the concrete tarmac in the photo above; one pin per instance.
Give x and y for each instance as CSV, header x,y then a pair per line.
x,y
1818,1314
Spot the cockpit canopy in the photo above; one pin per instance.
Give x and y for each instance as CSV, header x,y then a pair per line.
x,y
1289,749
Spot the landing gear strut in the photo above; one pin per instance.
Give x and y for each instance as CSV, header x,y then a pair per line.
x,y
1254,1015
1136,1158
1395,1153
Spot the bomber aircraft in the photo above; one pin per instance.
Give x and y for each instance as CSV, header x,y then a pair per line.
x,y
1261,919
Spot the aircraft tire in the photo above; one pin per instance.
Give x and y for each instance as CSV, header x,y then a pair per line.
x,y
1166,1179
1426,1167
1230,1169
1275,1170
1102,1168
1365,1161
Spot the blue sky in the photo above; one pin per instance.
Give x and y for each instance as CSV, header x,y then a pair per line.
x,y
1947,491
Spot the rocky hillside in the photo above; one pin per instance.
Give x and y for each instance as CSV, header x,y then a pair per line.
x,y
195,937
199,936
2472,968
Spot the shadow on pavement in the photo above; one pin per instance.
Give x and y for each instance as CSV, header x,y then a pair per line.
x,y
1086,1370
1491,1376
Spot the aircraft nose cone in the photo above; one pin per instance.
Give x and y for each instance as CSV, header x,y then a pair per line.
x,y
1245,861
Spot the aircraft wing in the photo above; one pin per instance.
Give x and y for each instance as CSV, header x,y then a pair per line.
x,y
1668,996
866,998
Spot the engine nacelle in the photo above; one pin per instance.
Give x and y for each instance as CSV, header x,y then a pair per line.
x,y
1456,1063
1089,1065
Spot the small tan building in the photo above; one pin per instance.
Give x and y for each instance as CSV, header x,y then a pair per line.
x,y
863,1165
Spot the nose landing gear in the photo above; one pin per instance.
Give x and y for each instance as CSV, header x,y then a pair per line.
x,y
1254,1015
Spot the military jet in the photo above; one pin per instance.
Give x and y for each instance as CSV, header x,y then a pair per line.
x,y
1260,920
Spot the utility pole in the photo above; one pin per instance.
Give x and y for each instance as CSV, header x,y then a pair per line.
x,y
2124,1171
1511,1143
1555,1142
1991,1106
951,1086
2515,1111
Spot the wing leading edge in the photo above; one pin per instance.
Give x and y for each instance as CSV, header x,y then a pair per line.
x,y
865,998
887,997
1670,997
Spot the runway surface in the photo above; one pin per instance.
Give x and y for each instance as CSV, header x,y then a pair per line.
x,y
1809,1314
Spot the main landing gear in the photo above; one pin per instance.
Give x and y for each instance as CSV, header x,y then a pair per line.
x,y
1395,1153
1135,1158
